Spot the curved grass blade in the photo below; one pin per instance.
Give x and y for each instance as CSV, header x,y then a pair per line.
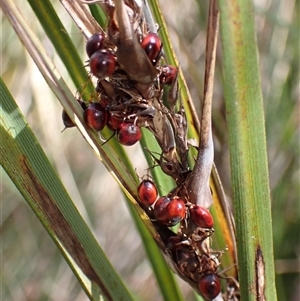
x,y
28,167
247,141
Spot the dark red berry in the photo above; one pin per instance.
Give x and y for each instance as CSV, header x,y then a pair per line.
x,y
68,123
152,46
114,122
176,211
168,74
95,116
201,217
102,63
210,286
147,192
128,133
160,209
173,241
94,43
104,100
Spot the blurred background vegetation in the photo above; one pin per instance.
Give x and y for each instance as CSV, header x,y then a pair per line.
x,y
32,267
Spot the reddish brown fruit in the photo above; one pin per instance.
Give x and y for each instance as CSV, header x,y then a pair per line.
x,y
210,286
104,100
168,74
201,217
128,133
147,192
94,43
170,211
173,241
102,63
152,46
114,122
160,209
95,116
176,211
68,123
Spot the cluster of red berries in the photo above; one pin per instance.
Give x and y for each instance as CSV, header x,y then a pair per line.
x,y
201,268
102,60
170,210
124,109
103,63
97,116
208,282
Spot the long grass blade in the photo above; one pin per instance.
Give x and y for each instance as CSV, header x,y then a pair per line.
x,y
28,167
247,140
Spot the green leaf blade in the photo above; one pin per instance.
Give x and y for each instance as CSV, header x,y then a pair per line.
x,y
28,167
247,140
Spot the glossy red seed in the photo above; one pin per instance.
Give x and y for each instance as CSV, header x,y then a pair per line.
x,y
168,74
201,217
152,46
68,123
176,211
114,122
95,116
210,286
102,63
94,43
104,100
128,134
160,209
147,192
173,241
